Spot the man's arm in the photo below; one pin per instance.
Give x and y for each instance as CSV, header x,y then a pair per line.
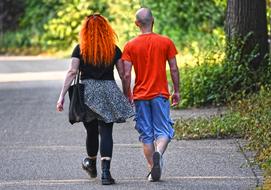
x,y
126,83
174,72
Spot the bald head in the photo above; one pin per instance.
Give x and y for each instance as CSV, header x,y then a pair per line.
x,y
144,17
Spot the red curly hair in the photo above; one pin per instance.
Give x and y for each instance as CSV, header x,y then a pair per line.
x,y
97,40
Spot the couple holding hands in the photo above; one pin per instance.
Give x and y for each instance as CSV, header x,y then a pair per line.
x,y
95,58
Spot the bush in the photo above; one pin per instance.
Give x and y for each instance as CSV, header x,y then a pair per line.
x,y
178,18
63,30
215,127
49,24
57,23
217,77
256,110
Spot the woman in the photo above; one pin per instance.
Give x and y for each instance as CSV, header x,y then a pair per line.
x,y
96,56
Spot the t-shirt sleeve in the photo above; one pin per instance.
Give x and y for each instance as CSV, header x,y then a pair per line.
x,y
118,53
172,51
126,53
76,52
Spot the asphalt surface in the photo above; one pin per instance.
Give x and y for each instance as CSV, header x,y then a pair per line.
x,y
39,149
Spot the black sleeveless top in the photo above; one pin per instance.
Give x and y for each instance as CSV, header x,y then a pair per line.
x,y
100,72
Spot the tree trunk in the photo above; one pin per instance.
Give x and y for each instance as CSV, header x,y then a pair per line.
x,y
1,21
246,19
269,40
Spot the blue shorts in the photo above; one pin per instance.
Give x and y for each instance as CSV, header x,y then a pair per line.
x,y
153,120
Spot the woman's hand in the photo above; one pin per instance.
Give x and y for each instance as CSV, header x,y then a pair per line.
x,y
70,76
60,104
131,99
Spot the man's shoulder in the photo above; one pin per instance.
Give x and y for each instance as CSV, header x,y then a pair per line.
x,y
133,40
163,37
156,37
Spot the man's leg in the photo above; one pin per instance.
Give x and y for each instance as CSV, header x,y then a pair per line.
x,y
162,123
163,132
145,129
148,152
161,145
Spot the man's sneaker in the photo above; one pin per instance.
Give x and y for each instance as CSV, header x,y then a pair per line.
x,y
156,170
149,177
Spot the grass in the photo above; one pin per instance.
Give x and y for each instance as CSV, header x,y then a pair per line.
x,y
246,118
215,127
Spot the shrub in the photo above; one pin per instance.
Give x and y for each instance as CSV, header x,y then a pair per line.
x,y
219,77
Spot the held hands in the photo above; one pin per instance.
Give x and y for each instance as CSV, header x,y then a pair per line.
x,y
130,97
175,98
60,104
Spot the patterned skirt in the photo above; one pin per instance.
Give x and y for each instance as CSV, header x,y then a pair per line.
x,y
106,102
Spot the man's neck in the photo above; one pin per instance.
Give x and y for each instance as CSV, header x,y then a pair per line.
x,y
146,31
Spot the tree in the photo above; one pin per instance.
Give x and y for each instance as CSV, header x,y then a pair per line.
x,y
180,17
10,12
246,20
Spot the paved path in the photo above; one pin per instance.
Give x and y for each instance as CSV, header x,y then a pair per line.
x,y
39,149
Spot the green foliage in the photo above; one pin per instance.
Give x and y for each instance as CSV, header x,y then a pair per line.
x,y
56,24
122,14
218,78
36,14
178,18
268,12
63,30
248,118
50,24
256,111
216,127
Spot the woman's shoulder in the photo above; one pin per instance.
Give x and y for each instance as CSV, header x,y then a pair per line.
x,y
117,48
76,51
118,51
77,47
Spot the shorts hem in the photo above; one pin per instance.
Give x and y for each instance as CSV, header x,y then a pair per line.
x,y
147,142
164,136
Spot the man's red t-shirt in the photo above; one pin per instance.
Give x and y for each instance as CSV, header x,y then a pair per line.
x,y
149,53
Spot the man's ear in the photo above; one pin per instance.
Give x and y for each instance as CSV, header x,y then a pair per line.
x,y
137,23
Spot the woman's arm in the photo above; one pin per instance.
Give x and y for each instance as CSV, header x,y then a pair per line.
x,y
71,74
120,68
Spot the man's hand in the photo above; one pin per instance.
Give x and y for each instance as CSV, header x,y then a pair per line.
x,y
131,99
174,72
175,98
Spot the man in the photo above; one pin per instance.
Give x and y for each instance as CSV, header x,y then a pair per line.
x,y
148,54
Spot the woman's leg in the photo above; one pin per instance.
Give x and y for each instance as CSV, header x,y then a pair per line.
x,y
92,140
106,149
92,145
106,144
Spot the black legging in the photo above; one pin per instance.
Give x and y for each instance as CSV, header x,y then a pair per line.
x,y
94,128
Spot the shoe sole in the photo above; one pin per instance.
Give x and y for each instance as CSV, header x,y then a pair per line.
x,y
88,172
149,178
108,182
156,169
